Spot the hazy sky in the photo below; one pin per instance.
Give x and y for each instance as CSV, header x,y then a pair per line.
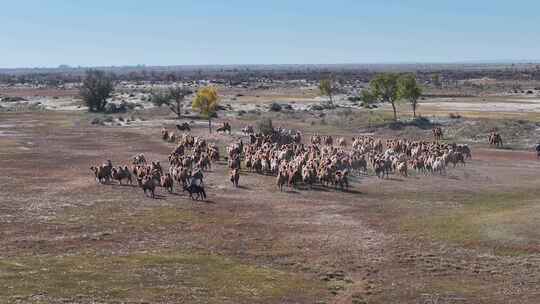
x,y
167,32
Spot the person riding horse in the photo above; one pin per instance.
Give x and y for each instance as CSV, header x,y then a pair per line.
x,y
226,128
495,138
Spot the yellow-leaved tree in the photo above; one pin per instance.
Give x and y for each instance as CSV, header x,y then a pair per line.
x,y
206,103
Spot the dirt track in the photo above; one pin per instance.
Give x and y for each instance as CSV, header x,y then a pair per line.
x,y
423,239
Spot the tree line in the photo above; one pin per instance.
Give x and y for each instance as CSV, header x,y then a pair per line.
x,y
97,87
384,87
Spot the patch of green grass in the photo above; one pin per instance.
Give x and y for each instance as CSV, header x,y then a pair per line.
x,y
498,220
452,288
9,146
148,277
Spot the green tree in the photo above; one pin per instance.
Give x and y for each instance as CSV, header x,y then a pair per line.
x,y
385,88
173,98
367,97
327,88
206,103
96,88
409,90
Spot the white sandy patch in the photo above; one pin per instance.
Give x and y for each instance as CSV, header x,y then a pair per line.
x,y
484,106
526,100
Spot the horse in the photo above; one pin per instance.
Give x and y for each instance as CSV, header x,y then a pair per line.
x,y
183,127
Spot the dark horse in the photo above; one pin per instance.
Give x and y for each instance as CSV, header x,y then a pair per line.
x,y
197,190
183,127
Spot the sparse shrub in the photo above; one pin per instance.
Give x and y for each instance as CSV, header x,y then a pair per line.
x,y
275,107
454,116
112,108
317,107
344,113
13,99
422,122
96,121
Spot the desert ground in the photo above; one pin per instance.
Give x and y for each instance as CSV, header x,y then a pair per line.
x,y
468,236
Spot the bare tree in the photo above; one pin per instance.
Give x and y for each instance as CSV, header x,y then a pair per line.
x,y
328,88
173,98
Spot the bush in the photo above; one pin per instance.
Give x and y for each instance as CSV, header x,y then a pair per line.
x,y
96,121
110,108
288,107
97,87
316,107
13,99
454,116
265,126
422,122
275,107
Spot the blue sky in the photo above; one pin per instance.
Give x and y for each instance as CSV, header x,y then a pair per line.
x,y
39,33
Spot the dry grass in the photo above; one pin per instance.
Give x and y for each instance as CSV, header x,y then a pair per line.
x,y
65,238
147,277
498,220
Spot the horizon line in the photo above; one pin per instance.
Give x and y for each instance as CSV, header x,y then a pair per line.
x,y
404,63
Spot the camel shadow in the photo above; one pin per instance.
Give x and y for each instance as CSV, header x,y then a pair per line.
x,y
353,191
291,191
177,193
156,196
319,189
243,187
114,185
